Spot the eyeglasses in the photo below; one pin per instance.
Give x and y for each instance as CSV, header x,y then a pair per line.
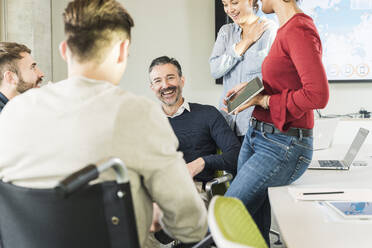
x,y
158,81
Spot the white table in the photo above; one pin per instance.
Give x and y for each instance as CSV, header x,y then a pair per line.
x,y
303,224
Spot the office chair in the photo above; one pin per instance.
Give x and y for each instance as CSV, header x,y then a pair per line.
x,y
74,214
219,185
216,186
232,226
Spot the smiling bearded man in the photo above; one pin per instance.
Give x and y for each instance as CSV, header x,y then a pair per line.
x,y
201,129
18,71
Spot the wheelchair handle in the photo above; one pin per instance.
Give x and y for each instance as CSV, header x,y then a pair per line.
x,y
82,177
119,167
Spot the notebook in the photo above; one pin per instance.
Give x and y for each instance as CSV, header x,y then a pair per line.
x,y
324,130
349,157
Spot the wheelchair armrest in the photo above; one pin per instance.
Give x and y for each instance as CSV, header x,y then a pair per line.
x,y
204,243
218,180
163,237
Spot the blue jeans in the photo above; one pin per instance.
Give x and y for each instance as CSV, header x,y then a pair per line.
x,y
268,160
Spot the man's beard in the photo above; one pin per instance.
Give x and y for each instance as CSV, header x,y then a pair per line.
x,y
23,86
178,91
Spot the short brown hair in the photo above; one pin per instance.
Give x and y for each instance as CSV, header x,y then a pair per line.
x,y
10,52
91,26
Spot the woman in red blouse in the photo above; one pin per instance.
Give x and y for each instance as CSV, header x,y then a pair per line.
x,y
277,149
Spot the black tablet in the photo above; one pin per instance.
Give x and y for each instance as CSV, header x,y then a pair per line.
x,y
245,94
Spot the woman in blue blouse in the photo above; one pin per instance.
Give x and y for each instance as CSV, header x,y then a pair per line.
x,y
239,51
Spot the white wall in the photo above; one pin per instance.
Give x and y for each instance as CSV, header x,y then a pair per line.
x,y
31,27
348,98
59,66
2,19
184,29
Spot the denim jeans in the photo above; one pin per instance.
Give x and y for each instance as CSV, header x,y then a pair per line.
x,y
268,160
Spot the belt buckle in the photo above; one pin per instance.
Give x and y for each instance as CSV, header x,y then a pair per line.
x,y
300,133
265,127
270,128
253,122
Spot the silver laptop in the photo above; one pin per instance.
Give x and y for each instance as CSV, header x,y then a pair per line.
x,y
349,157
324,130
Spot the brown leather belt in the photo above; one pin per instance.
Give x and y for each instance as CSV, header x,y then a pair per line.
x,y
270,128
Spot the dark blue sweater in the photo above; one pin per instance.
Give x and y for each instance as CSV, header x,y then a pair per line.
x,y
200,133
3,101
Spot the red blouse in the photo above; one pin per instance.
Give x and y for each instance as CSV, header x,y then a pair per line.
x,y
294,76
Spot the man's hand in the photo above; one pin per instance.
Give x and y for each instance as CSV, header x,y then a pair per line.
x,y
196,166
156,215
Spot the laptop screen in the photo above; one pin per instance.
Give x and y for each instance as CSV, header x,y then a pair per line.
x,y
355,146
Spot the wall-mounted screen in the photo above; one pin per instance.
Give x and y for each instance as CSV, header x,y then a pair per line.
x,y
345,28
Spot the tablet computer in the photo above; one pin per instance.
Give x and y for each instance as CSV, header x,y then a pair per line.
x,y
352,210
245,94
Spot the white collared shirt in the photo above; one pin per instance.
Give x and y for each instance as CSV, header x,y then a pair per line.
x,y
185,106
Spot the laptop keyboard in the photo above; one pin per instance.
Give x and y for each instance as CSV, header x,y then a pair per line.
x,y
330,163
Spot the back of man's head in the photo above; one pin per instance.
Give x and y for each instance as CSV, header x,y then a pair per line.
x,y
92,26
10,53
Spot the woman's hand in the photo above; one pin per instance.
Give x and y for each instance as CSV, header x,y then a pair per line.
x,y
233,91
260,99
250,34
254,31
256,100
230,93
